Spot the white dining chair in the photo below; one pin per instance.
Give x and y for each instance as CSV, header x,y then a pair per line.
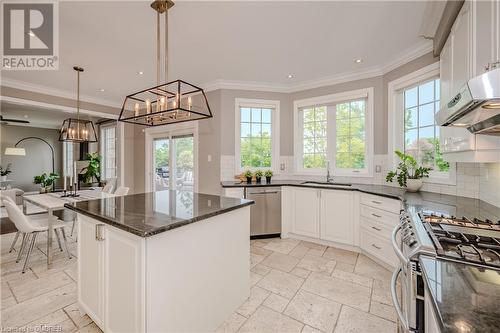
x,y
108,188
122,190
30,228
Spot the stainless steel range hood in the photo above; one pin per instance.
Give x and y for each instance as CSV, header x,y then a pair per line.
x,y
476,106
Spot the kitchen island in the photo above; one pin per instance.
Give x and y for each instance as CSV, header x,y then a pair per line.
x,y
169,261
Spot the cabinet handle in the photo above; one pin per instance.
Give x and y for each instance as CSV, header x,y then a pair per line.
x,y
377,202
377,247
379,216
375,228
98,232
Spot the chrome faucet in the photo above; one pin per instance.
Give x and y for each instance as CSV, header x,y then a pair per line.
x,y
328,177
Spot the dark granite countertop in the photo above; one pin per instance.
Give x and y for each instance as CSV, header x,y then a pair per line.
x,y
448,204
466,298
147,214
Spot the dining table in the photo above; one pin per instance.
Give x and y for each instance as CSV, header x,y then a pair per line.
x,y
54,201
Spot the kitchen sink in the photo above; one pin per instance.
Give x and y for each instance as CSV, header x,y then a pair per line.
x,y
311,183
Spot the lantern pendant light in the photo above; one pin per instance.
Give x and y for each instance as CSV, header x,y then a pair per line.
x,y
76,129
171,102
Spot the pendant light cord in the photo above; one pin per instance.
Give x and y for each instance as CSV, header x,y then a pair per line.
x,y
166,43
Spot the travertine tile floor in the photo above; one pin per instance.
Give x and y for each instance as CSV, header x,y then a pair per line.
x,y
296,287
304,287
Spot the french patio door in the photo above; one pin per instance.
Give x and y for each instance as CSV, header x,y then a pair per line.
x,y
173,162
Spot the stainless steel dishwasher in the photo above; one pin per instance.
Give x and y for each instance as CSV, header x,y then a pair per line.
x,y
265,215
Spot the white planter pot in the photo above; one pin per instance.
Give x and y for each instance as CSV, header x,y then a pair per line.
x,y
3,178
413,185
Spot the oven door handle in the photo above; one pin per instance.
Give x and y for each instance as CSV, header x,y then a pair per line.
x,y
395,301
395,246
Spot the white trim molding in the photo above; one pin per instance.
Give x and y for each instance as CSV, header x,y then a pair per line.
x,y
396,118
275,130
39,89
368,94
411,54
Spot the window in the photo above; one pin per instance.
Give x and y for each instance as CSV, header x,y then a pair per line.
x,y
256,134
335,131
108,152
421,134
314,137
413,100
68,158
350,135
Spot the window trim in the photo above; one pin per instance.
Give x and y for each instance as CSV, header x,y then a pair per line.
x,y
396,119
366,93
275,131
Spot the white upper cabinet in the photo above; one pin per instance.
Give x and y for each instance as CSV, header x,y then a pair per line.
x,y
473,43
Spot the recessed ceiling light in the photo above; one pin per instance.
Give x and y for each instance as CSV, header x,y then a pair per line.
x,y
358,61
140,72
290,76
31,34
101,89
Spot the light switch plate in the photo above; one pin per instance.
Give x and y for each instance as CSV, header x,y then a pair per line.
x,y
378,168
209,158
282,166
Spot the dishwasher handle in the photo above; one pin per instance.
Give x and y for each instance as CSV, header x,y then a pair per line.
x,y
267,192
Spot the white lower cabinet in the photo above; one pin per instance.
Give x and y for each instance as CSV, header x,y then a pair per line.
x,y
90,271
342,218
305,211
319,214
111,261
336,218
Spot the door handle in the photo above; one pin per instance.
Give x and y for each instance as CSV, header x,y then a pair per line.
x,y
377,247
395,301
377,202
99,236
379,216
375,228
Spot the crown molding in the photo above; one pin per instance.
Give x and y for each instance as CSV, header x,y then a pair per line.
x,y
411,54
35,88
408,56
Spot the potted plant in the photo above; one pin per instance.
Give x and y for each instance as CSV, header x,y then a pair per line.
x,y
45,181
258,175
268,174
5,172
93,170
248,175
408,174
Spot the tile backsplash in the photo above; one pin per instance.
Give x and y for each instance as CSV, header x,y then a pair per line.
x,y
473,180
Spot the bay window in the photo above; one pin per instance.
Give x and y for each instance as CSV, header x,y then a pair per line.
x,y
335,131
256,134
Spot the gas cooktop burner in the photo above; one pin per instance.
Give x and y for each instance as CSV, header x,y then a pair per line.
x,y
436,218
472,241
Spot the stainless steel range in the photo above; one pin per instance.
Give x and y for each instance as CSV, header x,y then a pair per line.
x,y
466,240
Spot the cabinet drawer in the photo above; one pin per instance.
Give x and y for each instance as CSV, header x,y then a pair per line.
x,y
390,205
379,215
376,227
378,247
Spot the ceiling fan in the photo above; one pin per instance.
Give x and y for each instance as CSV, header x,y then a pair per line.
x,y
6,120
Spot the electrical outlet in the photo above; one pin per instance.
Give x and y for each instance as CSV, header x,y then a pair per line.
x,y
378,168
209,158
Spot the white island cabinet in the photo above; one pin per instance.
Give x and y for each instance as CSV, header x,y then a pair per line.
x,y
188,271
